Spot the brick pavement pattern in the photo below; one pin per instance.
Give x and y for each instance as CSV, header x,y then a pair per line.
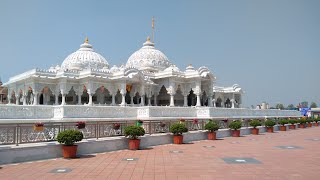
x,y
195,160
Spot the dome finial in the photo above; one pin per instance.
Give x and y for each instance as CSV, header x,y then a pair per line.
x,y
86,40
148,38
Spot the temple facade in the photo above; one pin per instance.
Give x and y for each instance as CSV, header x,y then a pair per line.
x,y
148,78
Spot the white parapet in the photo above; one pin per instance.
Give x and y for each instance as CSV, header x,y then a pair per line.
x,y
79,112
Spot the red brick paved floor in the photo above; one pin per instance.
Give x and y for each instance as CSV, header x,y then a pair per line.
x,y
196,161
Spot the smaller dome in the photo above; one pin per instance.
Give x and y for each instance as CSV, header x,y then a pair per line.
x,y
173,68
190,68
84,58
114,69
148,58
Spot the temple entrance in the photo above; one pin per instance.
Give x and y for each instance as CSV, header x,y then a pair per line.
x,y
218,102
136,99
204,99
41,99
192,98
178,98
128,98
163,97
118,97
227,104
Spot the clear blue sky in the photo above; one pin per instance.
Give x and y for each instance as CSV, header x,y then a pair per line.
x,y
271,48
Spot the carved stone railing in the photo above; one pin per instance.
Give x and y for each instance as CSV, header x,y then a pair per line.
x,y
66,112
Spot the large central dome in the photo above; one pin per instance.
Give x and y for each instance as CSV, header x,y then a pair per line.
x,y
148,58
84,58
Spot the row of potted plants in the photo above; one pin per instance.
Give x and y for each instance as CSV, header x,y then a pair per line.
x,y
133,132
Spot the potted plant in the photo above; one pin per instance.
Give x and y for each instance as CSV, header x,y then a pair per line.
x,y
235,127
292,123
139,123
269,124
38,126
302,123
212,126
68,138
116,126
133,133
283,122
309,120
178,129
255,123
316,122
81,124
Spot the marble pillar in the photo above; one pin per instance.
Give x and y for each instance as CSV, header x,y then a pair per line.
x,y
35,98
210,101
113,103
185,100
198,100
171,100
63,102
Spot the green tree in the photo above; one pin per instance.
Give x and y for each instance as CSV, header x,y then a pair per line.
x,y
290,106
279,106
313,105
304,104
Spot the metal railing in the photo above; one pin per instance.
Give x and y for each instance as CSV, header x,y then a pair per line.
x,y
25,132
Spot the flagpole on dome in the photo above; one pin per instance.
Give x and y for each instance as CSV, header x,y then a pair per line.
x,y
152,25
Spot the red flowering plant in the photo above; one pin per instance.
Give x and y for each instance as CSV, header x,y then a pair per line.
x,y
38,124
195,121
81,124
116,126
225,120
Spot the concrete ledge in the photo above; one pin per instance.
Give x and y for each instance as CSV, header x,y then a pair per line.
x,y
48,150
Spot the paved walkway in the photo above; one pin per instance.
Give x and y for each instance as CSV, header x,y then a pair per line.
x,y
293,154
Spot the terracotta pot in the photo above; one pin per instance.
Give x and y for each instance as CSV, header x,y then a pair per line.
x,y
69,151
235,133
292,126
270,129
212,135
309,124
302,125
134,144
38,128
255,131
316,124
283,128
177,139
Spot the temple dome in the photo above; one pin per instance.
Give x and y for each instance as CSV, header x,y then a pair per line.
x,y
84,58
148,58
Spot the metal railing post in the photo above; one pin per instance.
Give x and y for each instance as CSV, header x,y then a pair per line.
x,y
150,127
16,135
97,130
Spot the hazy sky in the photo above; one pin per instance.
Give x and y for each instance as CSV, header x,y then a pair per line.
x,y
270,48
